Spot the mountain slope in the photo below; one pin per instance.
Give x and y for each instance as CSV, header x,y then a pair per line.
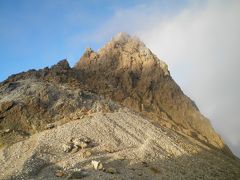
x,y
128,72
139,123
122,140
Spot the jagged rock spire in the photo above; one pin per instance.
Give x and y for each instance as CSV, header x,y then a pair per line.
x,y
126,50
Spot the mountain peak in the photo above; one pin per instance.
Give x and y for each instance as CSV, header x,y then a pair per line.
x,y
120,102
127,71
123,51
121,36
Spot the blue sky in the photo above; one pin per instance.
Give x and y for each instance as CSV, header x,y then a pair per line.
x,y
35,34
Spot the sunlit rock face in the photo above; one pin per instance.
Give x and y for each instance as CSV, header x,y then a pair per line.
x,y
127,71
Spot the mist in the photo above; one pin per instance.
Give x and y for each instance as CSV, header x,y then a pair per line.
x,y
200,43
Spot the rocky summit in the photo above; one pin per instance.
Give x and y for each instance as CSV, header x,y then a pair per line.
x,y
117,114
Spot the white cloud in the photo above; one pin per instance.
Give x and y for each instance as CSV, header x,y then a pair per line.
x,y
201,46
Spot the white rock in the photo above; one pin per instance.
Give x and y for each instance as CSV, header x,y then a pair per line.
x,y
97,165
79,143
67,147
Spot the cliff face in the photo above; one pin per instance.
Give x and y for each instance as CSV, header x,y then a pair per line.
x,y
128,72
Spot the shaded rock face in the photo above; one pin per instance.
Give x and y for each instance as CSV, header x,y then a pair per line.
x,y
128,72
33,105
124,71
29,101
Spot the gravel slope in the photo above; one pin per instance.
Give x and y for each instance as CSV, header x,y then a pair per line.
x,y
130,146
